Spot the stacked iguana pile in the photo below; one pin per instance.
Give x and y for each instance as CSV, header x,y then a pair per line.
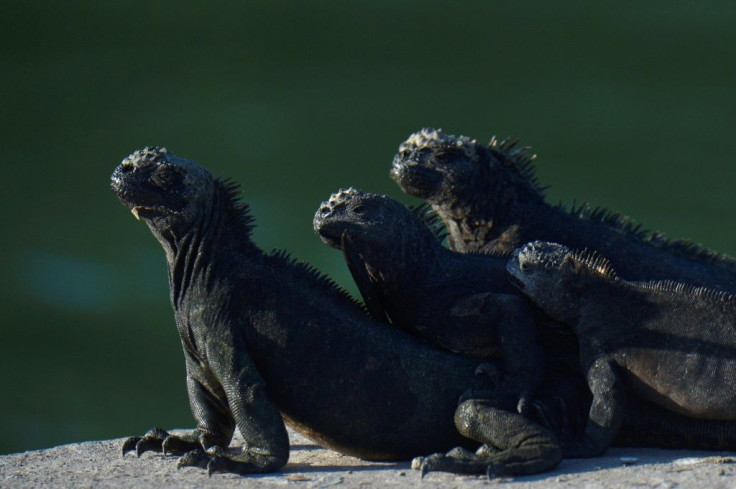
x,y
449,350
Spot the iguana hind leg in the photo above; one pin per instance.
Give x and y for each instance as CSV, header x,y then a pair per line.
x,y
513,444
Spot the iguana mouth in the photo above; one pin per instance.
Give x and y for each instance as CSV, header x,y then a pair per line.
x,y
414,179
141,211
516,282
330,234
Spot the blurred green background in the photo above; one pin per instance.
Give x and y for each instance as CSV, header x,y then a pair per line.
x,y
629,105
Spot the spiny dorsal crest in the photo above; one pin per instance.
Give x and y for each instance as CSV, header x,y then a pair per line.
x,y
612,219
322,280
691,250
230,192
431,220
689,290
595,262
518,158
436,138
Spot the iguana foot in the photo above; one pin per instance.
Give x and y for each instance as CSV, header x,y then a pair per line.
x,y
194,458
159,440
217,459
461,461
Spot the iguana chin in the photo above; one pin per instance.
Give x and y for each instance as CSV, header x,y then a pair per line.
x,y
489,199
267,339
458,302
670,344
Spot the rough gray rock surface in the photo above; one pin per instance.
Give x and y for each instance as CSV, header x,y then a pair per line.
x,y
99,464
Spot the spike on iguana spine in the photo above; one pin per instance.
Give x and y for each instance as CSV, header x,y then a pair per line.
x,y
595,262
431,220
690,290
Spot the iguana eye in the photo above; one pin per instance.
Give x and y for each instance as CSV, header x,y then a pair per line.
x,y
525,266
164,177
359,209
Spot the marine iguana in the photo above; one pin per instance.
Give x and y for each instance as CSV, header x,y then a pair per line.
x,y
267,339
668,343
459,302
383,228
490,200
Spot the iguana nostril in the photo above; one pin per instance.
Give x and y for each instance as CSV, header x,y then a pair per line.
x,y
325,211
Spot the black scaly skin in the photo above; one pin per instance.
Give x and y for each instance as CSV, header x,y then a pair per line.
x,y
459,302
489,200
563,401
669,344
267,339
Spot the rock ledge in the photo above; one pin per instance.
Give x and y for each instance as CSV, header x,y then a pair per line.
x,y
99,464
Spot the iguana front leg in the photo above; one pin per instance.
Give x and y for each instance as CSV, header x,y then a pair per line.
x,y
606,410
215,425
509,319
266,446
513,444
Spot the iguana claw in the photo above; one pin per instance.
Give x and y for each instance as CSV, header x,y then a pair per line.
x,y
129,444
151,441
194,458
456,461
174,445
424,469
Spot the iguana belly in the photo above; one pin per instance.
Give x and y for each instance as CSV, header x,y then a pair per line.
x,y
693,384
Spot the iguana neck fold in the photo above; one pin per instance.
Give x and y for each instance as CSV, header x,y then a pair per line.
x,y
489,209
187,248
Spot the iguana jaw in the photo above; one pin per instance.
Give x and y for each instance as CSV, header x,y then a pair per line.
x,y
144,212
516,281
414,179
330,235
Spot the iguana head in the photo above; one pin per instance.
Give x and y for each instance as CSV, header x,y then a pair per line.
x,y
431,164
375,223
554,277
472,187
167,192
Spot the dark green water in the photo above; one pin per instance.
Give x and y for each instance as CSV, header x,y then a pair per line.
x,y
629,106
